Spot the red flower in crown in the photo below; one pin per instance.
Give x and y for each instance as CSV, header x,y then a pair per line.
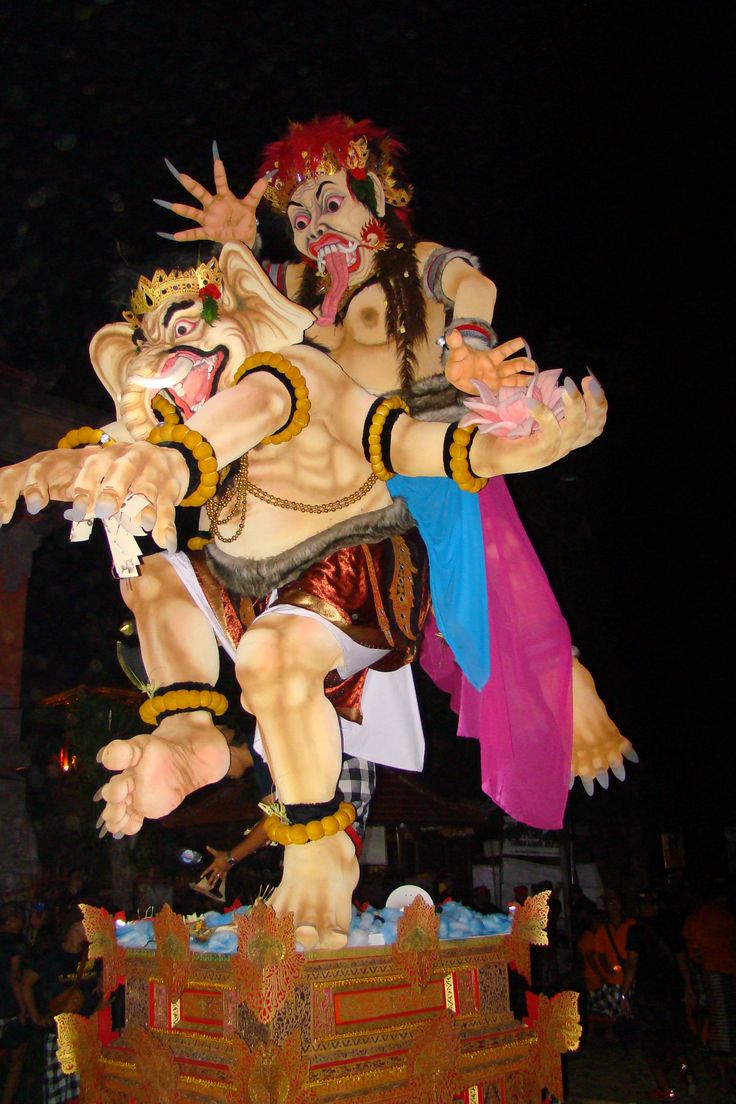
x,y
210,291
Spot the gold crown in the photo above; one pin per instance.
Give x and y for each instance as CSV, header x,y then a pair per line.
x,y
281,189
150,294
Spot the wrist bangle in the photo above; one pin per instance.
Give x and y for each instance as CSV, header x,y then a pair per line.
x,y
457,461
198,455
85,435
230,860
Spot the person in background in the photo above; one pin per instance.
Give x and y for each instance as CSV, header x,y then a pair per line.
x,y
482,900
60,979
37,929
610,949
592,975
13,1030
710,935
655,989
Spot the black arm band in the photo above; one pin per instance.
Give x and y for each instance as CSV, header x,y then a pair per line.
x,y
188,457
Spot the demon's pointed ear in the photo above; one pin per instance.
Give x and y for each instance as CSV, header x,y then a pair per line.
x,y
274,320
111,351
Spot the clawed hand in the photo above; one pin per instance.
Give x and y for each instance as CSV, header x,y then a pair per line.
x,y
585,417
97,481
222,217
490,366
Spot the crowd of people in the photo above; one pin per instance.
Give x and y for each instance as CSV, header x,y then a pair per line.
x,y
44,970
660,974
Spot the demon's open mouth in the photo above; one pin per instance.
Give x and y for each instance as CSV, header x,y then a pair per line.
x,y
334,246
189,376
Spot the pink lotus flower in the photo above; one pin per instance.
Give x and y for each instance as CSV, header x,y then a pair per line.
x,y
506,414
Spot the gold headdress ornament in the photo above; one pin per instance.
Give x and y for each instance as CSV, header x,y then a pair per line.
x,y
325,147
178,283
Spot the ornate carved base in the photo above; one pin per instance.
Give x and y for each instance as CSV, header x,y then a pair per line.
x,y
427,1022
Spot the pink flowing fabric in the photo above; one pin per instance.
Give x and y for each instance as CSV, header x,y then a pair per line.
x,y
522,717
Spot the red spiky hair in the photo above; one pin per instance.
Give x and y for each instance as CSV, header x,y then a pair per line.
x,y
325,146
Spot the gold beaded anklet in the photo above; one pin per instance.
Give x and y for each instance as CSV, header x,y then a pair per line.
x,y
85,435
295,384
383,413
182,699
181,436
279,832
457,461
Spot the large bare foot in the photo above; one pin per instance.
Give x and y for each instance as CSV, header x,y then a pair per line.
x,y
597,744
159,769
317,886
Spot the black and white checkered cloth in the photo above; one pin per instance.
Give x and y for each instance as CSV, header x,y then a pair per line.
x,y
605,1001
58,1087
357,784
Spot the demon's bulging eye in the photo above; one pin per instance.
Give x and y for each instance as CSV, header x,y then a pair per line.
x,y
301,221
183,327
334,203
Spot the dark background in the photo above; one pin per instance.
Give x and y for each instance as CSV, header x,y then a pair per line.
x,y
575,147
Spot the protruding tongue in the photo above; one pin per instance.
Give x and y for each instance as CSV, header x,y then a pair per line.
x,y
337,267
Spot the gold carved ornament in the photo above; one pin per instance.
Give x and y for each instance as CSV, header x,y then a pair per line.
x,y
173,953
557,1025
157,1068
529,926
270,1073
267,967
179,283
78,1051
417,947
432,1062
99,927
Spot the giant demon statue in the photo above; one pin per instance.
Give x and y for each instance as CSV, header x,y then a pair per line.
x,y
320,573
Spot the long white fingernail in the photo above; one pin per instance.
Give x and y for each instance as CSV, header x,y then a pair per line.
x,y
595,388
570,387
172,170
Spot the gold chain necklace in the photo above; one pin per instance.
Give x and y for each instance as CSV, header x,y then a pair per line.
x,y
237,496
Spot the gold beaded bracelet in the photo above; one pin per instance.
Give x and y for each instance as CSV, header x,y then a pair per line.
x,y
457,462
85,435
182,700
202,454
280,832
295,384
381,411
170,413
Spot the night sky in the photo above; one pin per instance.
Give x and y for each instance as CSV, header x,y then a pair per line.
x,y
575,147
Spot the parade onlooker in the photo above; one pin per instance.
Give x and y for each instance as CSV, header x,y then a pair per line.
x,y
37,928
13,1032
60,979
655,988
592,974
611,949
710,934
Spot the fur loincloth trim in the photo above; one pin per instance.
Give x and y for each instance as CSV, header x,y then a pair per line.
x,y
433,399
256,578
